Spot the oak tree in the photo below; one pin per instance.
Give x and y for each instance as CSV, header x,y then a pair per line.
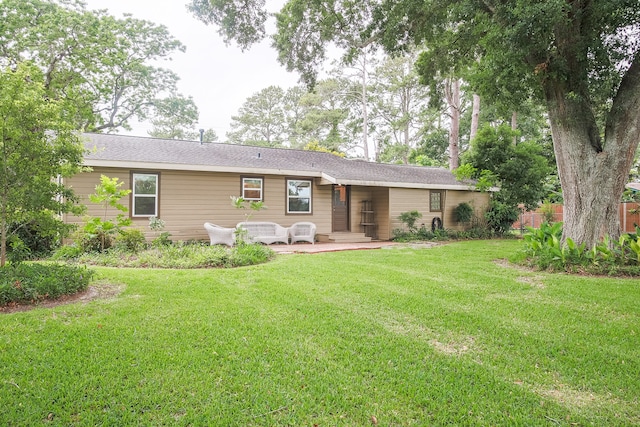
x,y
108,64
581,57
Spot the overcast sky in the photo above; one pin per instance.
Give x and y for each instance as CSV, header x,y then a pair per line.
x,y
218,77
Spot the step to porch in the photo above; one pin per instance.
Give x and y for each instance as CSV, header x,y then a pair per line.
x,y
344,237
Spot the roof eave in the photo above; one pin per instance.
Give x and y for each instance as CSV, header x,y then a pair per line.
x,y
426,186
134,165
325,179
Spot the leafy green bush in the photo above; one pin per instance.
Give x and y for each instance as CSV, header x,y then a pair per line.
x,y
67,252
544,249
18,251
131,239
38,237
31,283
409,219
162,237
250,255
501,216
463,213
425,234
98,234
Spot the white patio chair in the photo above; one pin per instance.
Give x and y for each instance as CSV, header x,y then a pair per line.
x,y
220,235
303,232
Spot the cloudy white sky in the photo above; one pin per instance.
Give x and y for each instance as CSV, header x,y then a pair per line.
x,y
218,77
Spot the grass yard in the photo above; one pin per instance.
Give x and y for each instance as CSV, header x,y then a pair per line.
x,y
393,337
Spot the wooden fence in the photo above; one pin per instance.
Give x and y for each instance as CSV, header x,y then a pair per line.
x,y
535,218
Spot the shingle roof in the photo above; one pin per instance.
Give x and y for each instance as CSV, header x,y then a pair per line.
x,y
143,152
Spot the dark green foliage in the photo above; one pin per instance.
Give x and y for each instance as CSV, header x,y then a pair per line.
x,y
40,235
38,142
31,283
18,251
519,170
501,216
463,213
426,234
544,249
131,239
432,149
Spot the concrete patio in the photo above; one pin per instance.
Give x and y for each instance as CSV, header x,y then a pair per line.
x,y
329,247
302,248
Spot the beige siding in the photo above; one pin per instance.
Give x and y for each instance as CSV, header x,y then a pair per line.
x,y
85,183
380,203
188,199
358,194
406,200
381,209
478,201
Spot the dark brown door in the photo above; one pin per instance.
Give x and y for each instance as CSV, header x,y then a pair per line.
x,y
340,221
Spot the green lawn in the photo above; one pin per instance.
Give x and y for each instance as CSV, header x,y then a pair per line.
x,y
397,337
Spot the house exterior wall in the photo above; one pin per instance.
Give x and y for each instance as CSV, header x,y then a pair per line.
x,y
408,199
381,208
478,201
379,197
189,199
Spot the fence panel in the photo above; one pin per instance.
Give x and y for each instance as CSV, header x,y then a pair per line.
x,y
629,216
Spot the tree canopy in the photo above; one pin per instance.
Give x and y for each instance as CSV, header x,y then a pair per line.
x,y
261,119
177,118
518,169
106,64
582,58
38,142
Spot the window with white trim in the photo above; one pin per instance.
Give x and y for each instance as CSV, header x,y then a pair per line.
x,y
435,201
299,196
252,188
144,195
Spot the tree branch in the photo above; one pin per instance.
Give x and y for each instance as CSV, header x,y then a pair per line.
x,y
625,110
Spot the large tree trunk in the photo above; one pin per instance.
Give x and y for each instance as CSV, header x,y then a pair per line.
x,y
365,112
453,99
475,116
592,173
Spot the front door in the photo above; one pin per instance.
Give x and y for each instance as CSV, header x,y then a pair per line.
x,y
340,221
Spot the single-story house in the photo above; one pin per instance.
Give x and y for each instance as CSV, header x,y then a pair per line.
x,y
188,183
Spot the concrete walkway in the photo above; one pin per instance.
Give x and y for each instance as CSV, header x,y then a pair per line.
x,y
298,248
